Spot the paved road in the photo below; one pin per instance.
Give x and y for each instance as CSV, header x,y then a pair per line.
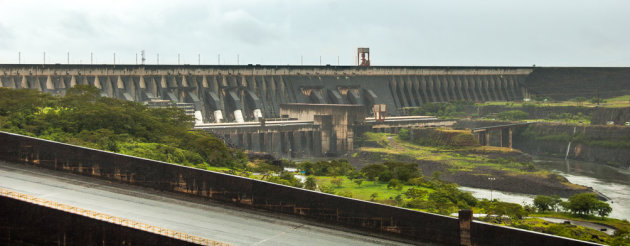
x,y
210,220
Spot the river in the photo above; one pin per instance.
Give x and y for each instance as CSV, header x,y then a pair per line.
x,y
612,182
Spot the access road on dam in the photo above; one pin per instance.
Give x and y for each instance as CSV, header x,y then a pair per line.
x,y
197,217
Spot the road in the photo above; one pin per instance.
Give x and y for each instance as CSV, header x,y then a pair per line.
x,y
237,226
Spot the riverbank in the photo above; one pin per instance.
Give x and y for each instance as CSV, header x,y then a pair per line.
x,y
512,170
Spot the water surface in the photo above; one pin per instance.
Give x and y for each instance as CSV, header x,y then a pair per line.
x,y
614,183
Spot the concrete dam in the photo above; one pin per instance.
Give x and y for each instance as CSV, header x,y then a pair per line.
x,y
246,93
261,108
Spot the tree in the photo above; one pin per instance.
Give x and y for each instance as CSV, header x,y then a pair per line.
x,y
403,134
587,203
385,176
373,196
395,184
373,170
513,210
358,182
398,199
513,115
337,181
546,203
579,100
345,193
415,193
603,209
310,183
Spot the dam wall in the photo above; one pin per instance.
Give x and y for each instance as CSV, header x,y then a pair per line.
x,y
246,93
599,143
565,83
369,217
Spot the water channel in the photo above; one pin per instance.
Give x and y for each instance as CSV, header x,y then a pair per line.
x,y
613,183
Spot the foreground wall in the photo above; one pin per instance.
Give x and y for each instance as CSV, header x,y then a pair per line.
x,y
25,223
370,217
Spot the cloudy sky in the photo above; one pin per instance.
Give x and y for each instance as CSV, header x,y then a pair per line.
x,y
415,32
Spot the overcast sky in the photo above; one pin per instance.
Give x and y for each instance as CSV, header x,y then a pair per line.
x,y
438,32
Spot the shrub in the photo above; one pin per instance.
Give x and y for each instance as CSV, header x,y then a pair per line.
x,y
326,168
415,193
403,134
394,184
513,115
337,182
310,183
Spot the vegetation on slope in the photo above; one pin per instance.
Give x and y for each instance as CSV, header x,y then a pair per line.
x,y
83,117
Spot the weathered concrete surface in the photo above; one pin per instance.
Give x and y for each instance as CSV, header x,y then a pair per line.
x,y
193,216
28,220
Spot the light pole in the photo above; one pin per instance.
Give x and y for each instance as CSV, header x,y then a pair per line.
x,y
492,179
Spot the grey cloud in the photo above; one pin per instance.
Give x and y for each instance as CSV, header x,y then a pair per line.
x,y
76,24
5,36
248,29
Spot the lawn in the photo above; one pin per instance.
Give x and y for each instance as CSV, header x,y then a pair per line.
x,y
366,189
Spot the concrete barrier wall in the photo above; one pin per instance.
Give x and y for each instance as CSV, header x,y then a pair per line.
x,y
25,223
339,211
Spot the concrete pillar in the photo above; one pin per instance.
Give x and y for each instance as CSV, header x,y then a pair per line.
x,y
268,144
307,143
276,144
423,88
465,221
444,88
286,144
487,137
261,142
479,87
247,141
296,144
431,88
350,140
316,141
510,137
326,128
255,141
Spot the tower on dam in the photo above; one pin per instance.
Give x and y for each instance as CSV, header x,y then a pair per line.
x,y
217,94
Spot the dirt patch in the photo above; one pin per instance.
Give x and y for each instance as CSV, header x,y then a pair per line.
x,y
551,184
